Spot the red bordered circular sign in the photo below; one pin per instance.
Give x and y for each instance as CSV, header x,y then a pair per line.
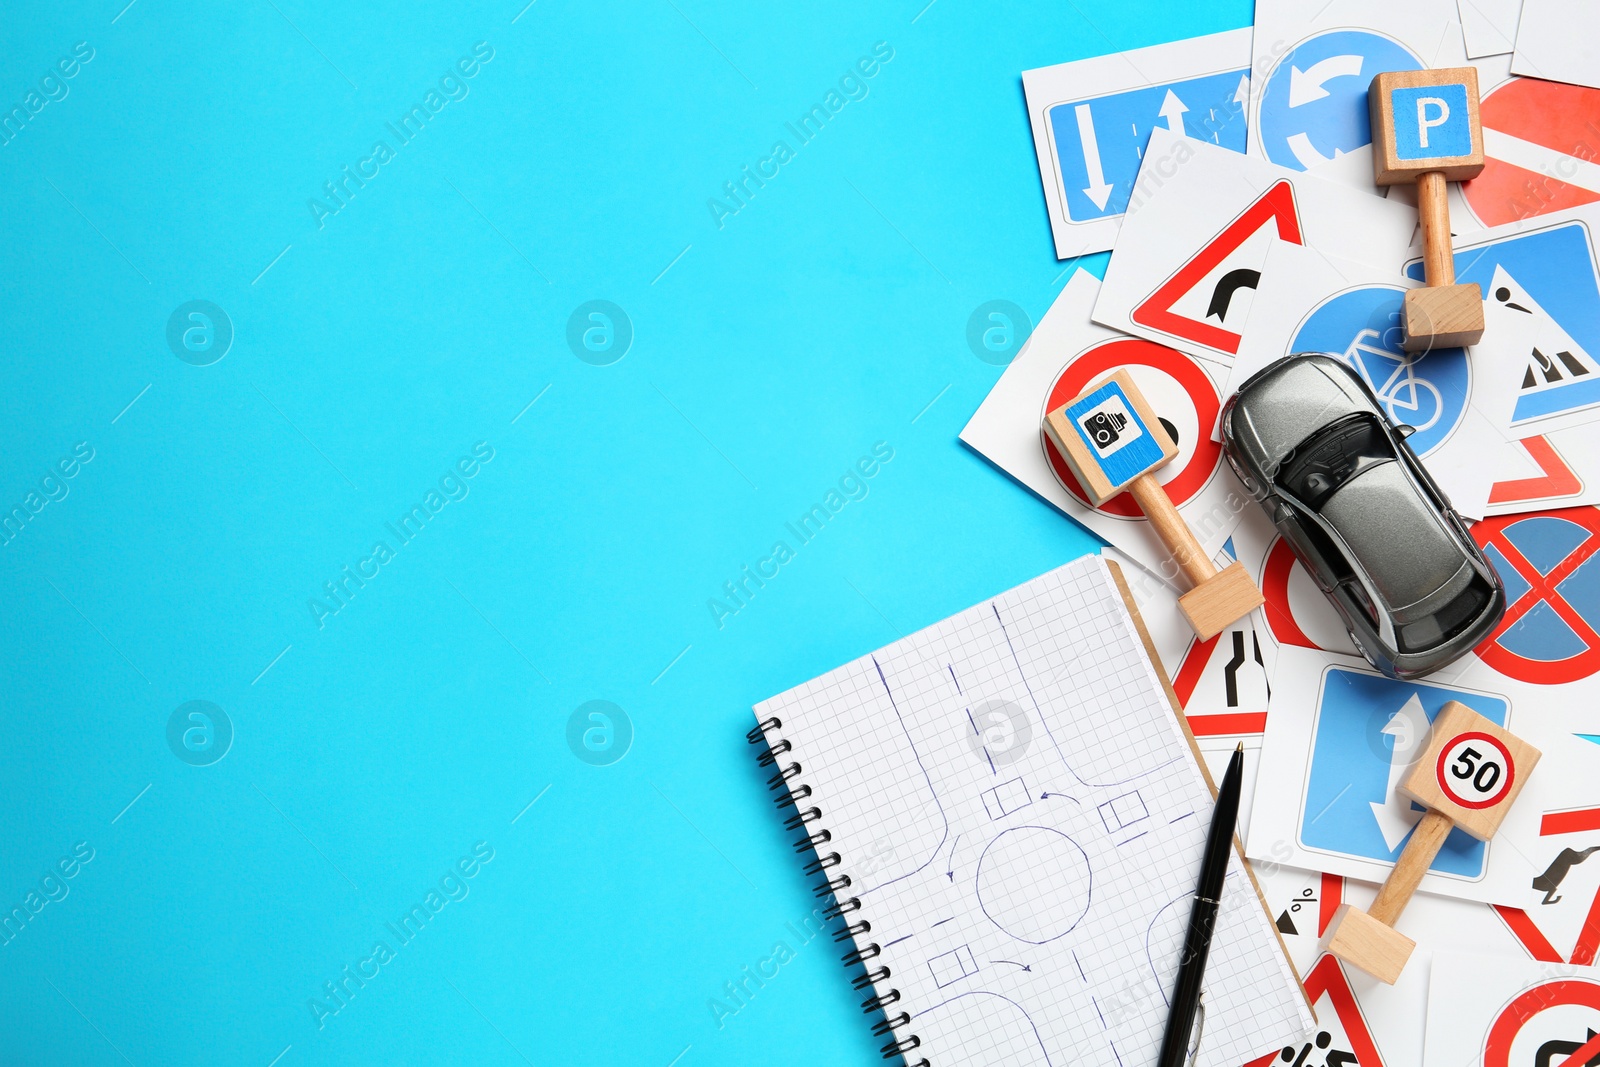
x,y
1108,356
1514,1017
1543,549
1475,770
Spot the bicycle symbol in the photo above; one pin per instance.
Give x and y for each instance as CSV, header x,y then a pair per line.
x,y
1427,392
1408,399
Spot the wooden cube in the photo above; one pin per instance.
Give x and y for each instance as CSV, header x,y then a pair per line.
x,y
1443,316
1220,601
1359,939
1425,120
1109,436
1471,770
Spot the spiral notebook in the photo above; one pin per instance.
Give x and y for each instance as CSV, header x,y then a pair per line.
x,y
1010,814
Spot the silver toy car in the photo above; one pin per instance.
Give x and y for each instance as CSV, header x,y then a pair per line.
x,y
1344,489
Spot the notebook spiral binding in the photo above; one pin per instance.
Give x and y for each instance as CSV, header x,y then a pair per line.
x,y
791,792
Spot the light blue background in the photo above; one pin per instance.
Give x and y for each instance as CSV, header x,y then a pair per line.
x,y
369,356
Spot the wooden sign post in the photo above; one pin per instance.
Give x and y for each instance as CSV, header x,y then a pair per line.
x,y
1468,776
1425,129
1113,441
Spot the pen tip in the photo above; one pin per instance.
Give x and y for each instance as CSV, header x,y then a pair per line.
x,y
1239,747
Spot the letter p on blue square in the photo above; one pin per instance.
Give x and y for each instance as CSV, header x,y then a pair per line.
x,y
1431,122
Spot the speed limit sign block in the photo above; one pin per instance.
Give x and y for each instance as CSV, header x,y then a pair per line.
x,y
1468,776
1113,441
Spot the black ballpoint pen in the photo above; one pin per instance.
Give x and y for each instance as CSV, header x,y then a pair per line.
x,y
1203,917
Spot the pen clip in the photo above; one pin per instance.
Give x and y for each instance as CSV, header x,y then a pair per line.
x,y
1199,1030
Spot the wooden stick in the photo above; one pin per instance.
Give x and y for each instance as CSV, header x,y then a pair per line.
x,y
1433,208
1170,527
1426,840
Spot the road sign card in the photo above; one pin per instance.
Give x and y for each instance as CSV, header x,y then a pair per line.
x,y
1489,27
1545,269
1563,470
1503,1012
1550,565
1092,119
1313,302
1192,252
1556,42
1339,742
1539,150
1309,106
1065,355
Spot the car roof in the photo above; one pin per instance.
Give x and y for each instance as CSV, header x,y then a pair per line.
x,y
1403,543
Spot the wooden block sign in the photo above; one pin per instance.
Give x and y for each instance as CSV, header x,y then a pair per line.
x,y
1468,776
1109,436
1471,771
1113,441
1425,121
1425,129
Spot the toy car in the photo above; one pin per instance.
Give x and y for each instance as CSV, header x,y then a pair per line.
x,y
1338,480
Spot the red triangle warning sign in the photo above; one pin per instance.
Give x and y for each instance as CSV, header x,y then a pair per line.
x,y
1342,1038
1556,478
1206,287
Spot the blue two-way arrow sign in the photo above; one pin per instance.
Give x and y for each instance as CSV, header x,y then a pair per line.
x,y
1100,142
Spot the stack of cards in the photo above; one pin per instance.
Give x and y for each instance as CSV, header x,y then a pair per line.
x,y
1231,176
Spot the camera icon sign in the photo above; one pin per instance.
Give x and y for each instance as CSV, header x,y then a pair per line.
x,y
1109,426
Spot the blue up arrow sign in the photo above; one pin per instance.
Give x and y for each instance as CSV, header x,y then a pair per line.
x,y
1099,142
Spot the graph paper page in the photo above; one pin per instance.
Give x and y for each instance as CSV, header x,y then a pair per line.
x,y
1021,817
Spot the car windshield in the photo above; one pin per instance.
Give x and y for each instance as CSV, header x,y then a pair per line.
x,y
1333,456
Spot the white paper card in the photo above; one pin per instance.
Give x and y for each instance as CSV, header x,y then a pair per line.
x,y
1496,1012
1454,399
1489,27
1189,259
1557,40
1340,737
1092,119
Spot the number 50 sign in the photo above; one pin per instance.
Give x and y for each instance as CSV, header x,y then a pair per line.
x,y
1475,770
1470,771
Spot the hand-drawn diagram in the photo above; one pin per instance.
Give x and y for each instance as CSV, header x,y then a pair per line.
x,y
1034,883
1119,813
992,1031
1006,799
1025,753
950,967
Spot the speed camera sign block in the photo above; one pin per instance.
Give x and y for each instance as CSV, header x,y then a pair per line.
x,y
1471,771
1109,436
1113,441
1467,776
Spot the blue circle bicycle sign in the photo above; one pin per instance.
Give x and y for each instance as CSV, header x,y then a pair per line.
x,y
1426,391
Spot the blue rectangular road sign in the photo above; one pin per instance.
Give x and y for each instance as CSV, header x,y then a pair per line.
x,y
1363,742
1547,272
1431,122
1099,143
